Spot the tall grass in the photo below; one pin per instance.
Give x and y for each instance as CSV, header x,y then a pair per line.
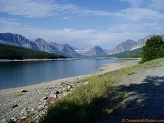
x,y
84,104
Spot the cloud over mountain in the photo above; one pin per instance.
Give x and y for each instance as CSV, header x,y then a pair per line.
x,y
80,23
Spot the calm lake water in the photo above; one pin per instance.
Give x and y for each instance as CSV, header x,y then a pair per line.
x,y
22,73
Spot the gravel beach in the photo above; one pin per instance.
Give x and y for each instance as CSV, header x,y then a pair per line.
x,y
16,103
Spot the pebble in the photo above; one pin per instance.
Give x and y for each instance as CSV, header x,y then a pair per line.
x,y
13,119
14,106
52,94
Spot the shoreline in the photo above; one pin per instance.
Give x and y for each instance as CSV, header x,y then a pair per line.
x,y
34,97
17,60
60,59
101,70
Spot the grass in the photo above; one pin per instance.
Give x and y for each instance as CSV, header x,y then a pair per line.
x,y
18,94
82,105
90,102
87,79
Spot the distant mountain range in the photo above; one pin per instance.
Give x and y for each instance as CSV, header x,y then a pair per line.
x,y
130,45
37,44
68,51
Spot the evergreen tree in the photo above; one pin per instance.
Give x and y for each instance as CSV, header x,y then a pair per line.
x,y
153,49
14,52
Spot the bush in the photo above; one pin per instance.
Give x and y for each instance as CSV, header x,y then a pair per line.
x,y
153,49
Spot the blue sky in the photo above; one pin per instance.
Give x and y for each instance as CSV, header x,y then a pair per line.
x,y
83,23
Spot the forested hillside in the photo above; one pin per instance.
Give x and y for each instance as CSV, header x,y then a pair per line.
x,y
14,52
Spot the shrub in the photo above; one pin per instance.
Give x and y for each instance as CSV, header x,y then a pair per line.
x,y
153,49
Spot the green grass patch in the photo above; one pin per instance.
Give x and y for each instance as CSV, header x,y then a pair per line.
x,y
18,94
86,79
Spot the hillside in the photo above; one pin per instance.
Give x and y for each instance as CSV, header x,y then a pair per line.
x,y
14,52
128,54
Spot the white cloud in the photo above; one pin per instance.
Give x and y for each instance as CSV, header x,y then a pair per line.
x,y
66,17
136,14
5,22
136,22
73,37
44,8
153,4
28,8
87,12
84,38
135,3
138,29
157,4
143,9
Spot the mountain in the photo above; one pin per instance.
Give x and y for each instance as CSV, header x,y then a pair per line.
x,y
124,46
75,48
37,44
80,51
65,50
128,54
141,42
45,46
95,51
17,52
108,51
129,45
18,40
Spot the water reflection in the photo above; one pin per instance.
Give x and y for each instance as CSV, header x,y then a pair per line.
x,y
14,74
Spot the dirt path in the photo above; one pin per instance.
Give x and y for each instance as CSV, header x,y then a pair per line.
x,y
139,96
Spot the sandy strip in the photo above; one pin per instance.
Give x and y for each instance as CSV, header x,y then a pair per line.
x,y
13,101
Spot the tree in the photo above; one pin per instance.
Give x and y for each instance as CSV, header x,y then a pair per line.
x,y
153,49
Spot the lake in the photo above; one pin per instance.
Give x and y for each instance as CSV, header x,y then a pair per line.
x,y
22,73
